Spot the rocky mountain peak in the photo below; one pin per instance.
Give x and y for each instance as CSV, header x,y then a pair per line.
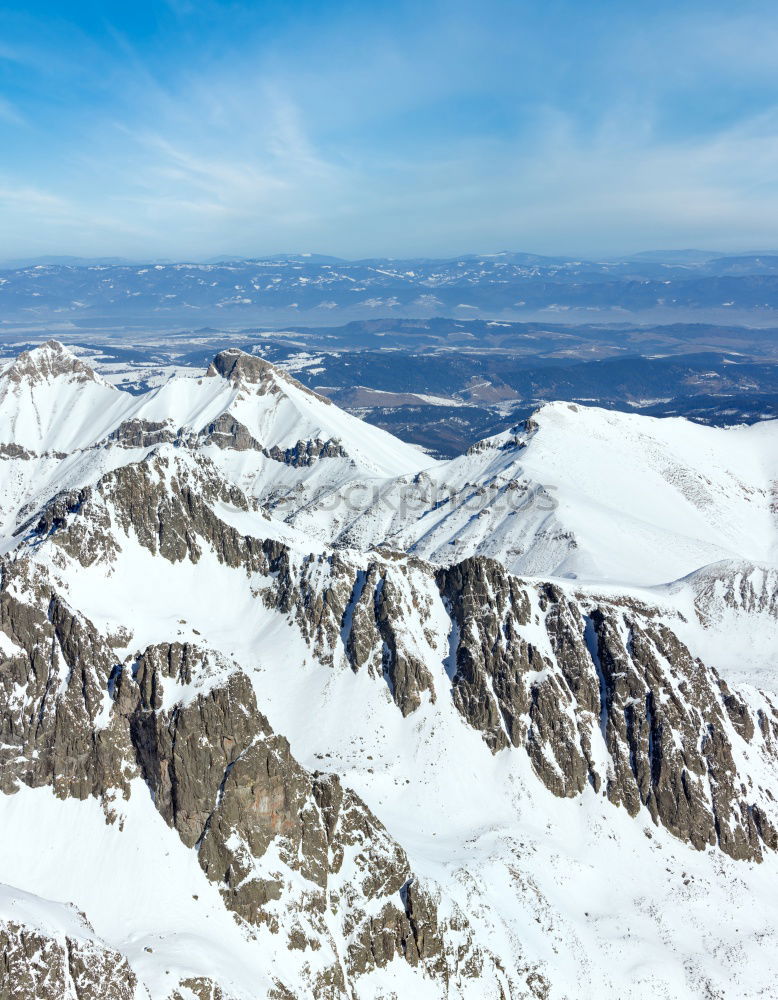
x,y
47,362
238,367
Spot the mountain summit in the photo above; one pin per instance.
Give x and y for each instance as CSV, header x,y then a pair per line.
x,y
238,366
50,361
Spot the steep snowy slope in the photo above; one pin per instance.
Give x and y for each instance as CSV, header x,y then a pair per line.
x,y
53,410
53,403
267,767
731,612
647,499
583,492
61,426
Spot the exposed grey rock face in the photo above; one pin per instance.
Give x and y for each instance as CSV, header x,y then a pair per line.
x,y
224,781
54,513
47,363
670,727
12,450
53,690
235,365
165,511
609,698
138,433
232,789
406,673
305,453
490,660
200,987
35,966
227,432
238,367
366,611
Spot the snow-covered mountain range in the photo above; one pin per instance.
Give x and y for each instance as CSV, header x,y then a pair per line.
x,y
292,710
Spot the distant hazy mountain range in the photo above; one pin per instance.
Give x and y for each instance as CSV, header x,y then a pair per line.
x,y
439,352
511,285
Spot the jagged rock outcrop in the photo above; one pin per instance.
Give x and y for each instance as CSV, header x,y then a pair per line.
x,y
154,500
364,611
488,665
137,433
238,367
595,692
261,824
54,686
50,951
35,966
200,987
48,361
227,432
235,365
12,450
305,453
669,727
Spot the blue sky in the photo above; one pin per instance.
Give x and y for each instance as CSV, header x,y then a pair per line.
x,y
191,129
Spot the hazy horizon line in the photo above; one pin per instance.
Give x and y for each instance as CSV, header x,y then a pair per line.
x,y
119,260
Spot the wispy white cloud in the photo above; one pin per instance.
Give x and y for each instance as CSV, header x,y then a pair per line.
x,y
26,199
459,136
222,179
10,113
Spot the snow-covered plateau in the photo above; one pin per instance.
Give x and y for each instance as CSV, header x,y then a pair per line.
x,y
291,710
